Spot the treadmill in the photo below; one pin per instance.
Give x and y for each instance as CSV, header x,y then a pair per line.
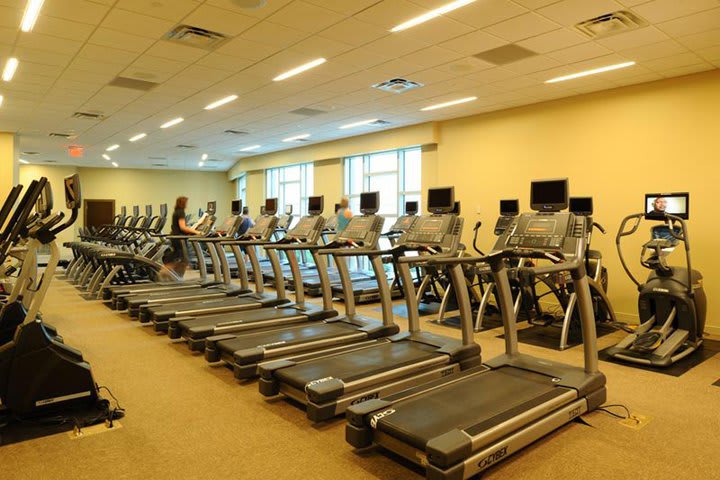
x,y
244,351
211,302
305,234
461,425
330,383
115,296
366,291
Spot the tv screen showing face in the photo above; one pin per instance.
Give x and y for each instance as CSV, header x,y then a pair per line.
x,y
659,204
315,204
369,201
509,208
581,205
211,207
549,195
441,199
411,208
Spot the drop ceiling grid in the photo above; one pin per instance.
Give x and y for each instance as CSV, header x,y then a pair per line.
x,y
681,30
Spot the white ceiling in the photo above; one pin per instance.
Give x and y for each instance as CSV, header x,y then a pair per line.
x,y
78,46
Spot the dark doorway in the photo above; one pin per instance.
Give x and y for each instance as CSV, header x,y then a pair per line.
x,y
98,212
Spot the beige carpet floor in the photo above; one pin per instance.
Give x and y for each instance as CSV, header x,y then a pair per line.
x,y
186,419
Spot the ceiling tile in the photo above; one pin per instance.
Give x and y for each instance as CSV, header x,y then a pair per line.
x,y
243,48
354,32
687,70
219,20
533,4
273,34
655,50
347,7
699,22
136,24
432,56
57,27
173,51
224,62
389,13
570,12
486,12
270,7
580,52
395,46
555,40
362,59
634,38
80,11
658,11
8,35
522,27
173,10
492,75
465,66
112,38
700,40
10,17
40,56
106,54
49,44
712,54
153,69
532,64
438,30
318,46
473,43
306,17
673,61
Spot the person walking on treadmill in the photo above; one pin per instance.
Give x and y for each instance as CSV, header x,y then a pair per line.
x,y
247,222
178,259
343,214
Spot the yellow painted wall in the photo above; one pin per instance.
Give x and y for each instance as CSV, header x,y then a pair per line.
x,y
8,162
326,175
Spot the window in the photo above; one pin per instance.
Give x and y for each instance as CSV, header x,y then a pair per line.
x,y
291,185
396,174
242,189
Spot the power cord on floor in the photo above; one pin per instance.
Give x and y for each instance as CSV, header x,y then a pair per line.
x,y
627,416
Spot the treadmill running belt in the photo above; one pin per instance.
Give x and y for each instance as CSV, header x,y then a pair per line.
x,y
209,303
288,336
360,364
481,399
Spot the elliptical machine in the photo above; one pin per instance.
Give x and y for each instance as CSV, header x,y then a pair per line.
x,y
39,374
672,303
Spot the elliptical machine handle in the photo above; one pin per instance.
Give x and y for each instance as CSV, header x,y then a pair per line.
x,y
599,227
623,233
476,229
683,238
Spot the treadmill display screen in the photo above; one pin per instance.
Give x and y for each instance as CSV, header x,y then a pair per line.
x,y
541,226
271,205
509,208
236,207
441,199
431,225
315,204
405,222
263,223
549,195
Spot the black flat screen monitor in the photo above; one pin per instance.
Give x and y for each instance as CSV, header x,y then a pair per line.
x,y
271,206
236,207
211,208
581,206
411,208
549,195
337,207
441,200
316,205
658,204
510,208
369,202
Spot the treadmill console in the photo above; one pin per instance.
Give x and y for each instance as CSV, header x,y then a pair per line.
x,y
441,231
364,230
263,228
308,229
545,232
403,224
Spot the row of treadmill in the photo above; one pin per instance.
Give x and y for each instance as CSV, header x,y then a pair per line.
x,y
430,398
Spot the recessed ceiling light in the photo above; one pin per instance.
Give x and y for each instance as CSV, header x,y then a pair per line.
x,y
358,124
204,156
172,122
32,10
114,164
1,100
10,68
297,137
591,72
448,104
250,148
106,156
300,69
137,137
221,102
23,161
112,148
431,14
200,164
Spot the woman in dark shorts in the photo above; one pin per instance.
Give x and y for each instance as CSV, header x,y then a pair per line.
x,y
177,260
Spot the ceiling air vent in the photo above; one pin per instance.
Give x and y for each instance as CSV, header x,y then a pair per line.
x,y
159,164
157,158
50,161
505,54
88,115
185,147
62,135
610,24
195,37
308,112
397,85
235,132
379,123
132,84
30,153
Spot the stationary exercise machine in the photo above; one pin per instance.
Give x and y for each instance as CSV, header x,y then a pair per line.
x,y
672,303
460,425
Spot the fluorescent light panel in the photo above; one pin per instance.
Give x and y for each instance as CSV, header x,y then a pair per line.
x,y
23,161
137,137
296,137
300,69
32,11
221,102
204,156
112,148
250,148
200,164
172,122
594,71
10,68
431,14
1,100
114,164
106,156
448,104
358,124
